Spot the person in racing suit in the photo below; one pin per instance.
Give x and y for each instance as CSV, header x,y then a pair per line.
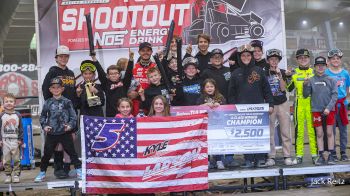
x,y
302,106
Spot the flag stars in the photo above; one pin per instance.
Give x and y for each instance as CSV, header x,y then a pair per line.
x,y
109,150
127,133
105,154
113,121
123,146
131,146
132,138
114,155
132,155
96,120
123,155
131,120
127,151
118,150
100,125
127,142
123,138
131,129
122,120
104,120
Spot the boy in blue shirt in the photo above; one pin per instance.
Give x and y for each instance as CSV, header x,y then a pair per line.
x,y
342,77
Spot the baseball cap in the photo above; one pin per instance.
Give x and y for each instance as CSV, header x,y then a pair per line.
x,y
216,51
62,49
56,81
302,52
257,43
145,45
274,53
190,61
87,65
320,61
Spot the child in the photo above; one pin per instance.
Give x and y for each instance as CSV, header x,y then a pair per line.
x,y
249,85
112,84
342,77
324,94
11,138
67,76
258,54
159,107
88,69
191,84
156,88
58,117
277,80
302,111
212,98
124,106
218,71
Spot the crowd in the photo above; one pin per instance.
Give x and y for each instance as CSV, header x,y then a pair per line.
x,y
151,84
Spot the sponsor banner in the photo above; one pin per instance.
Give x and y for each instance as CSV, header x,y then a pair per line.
x,y
234,129
21,80
122,24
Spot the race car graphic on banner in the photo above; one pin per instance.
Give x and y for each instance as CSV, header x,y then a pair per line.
x,y
224,21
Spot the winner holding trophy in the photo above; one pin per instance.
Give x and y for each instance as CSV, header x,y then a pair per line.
x,y
91,94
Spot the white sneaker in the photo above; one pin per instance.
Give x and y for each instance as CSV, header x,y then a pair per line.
x,y
15,179
8,180
290,161
220,165
270,162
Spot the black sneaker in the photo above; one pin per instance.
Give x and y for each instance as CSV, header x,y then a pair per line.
x,y
330,160
299,160
60,174
247,164
320,161
261,164
344,157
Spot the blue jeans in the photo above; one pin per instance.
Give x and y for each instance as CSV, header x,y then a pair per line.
x,y
343,133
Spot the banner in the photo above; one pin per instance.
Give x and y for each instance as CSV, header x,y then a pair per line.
x,y
234,129
144,155
120,24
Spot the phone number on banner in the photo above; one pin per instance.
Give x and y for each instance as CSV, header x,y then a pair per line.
x,y
16,67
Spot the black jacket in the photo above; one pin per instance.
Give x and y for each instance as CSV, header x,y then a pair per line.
x,y
153,91
191,89
114,90
262,64
249,85
83,104
68,79
203,60
221,77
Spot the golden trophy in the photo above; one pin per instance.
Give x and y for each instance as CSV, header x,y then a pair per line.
x,y
92,99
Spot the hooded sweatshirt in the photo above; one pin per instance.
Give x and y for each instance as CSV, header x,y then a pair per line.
x,y
68,79
249,85
220,75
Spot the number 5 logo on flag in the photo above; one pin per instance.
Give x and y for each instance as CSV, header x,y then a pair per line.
x,y
108,136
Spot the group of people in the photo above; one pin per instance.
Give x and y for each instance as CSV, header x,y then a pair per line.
x,y
151,84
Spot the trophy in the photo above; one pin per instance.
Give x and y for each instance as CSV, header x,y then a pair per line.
x,y
92,99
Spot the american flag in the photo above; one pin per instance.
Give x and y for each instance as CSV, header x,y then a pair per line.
x,y
144,155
